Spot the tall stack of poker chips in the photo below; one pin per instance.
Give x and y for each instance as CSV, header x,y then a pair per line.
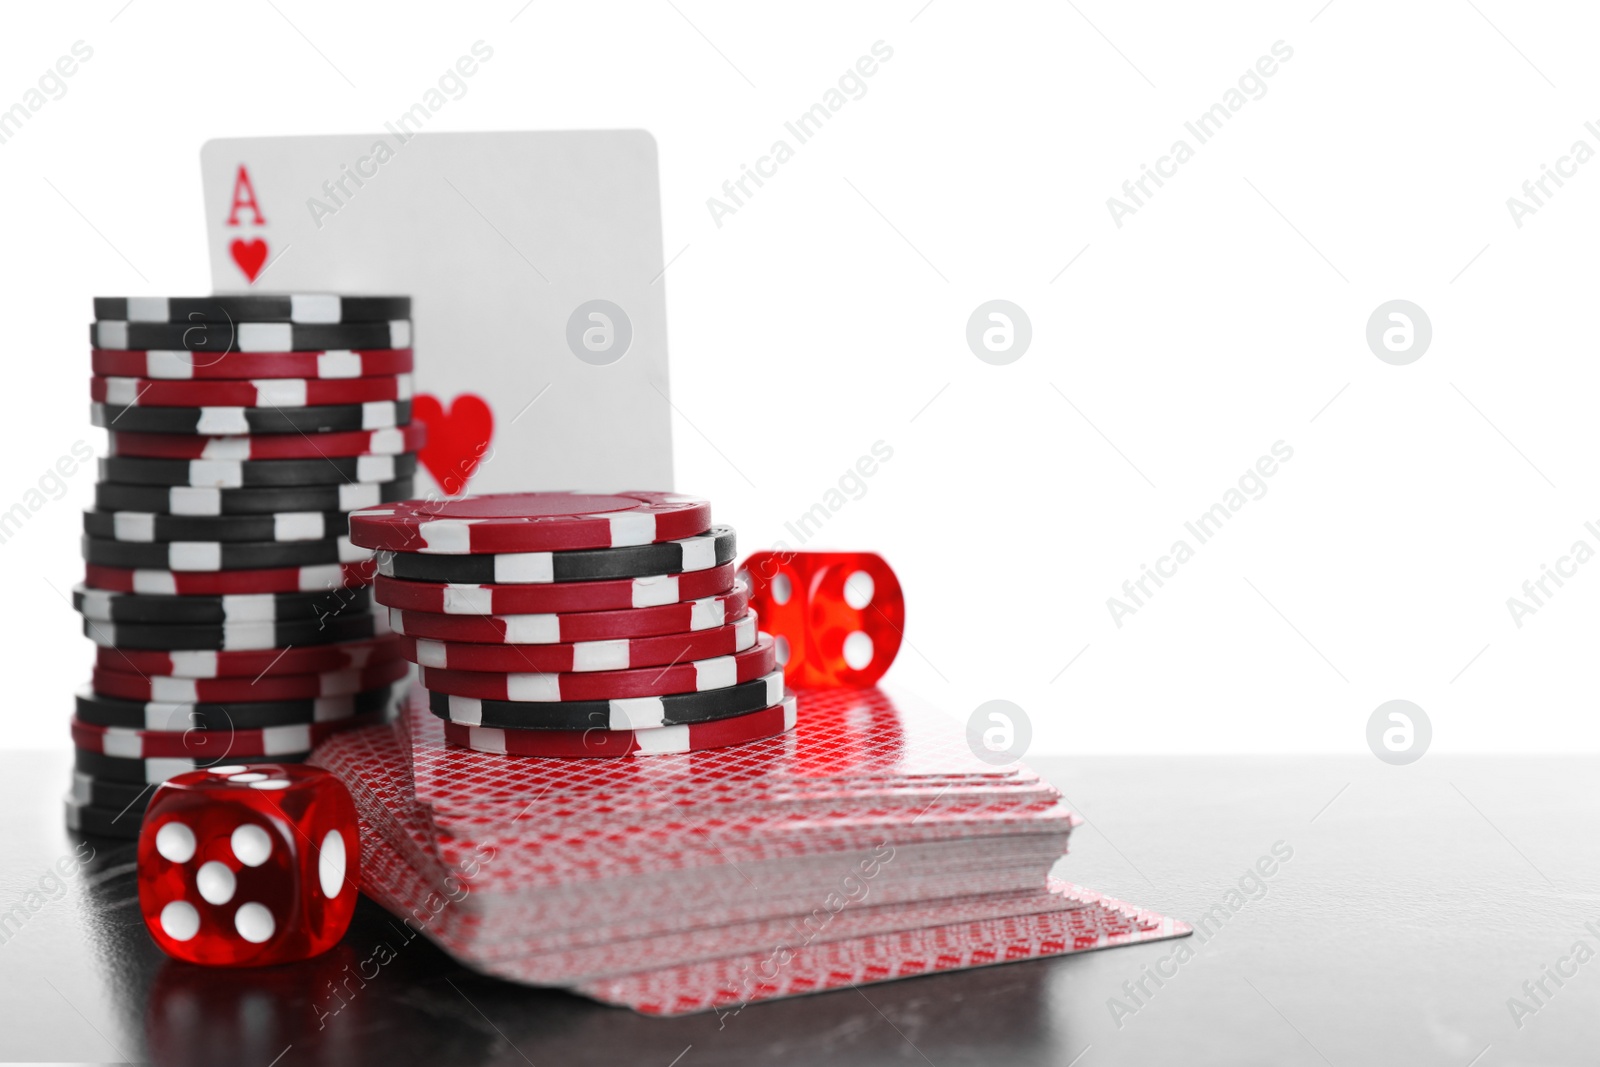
x,y
576,625
233,616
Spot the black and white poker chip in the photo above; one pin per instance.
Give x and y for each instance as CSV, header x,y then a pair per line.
x,y
156,771
150,527
117,796
234,715
220,555
631,714
256,473
326,418
249,336
318,308
104,606
228,637
190,501
714,548
106,821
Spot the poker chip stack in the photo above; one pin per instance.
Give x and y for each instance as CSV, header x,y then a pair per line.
x,y
576,625
233,616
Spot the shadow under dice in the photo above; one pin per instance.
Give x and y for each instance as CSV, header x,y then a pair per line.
x,y
249,864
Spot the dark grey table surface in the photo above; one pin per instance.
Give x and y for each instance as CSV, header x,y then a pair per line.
x,y
1416,904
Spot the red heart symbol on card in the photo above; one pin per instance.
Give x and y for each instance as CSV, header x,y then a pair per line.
x,y
250,255
458,437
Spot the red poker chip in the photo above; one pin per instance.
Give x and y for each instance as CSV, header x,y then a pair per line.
x,y
549,628
388,442
587,656
186,743
692,676
612,594
267,662
181,365
655,741
127,685
311,579
531,522
263,393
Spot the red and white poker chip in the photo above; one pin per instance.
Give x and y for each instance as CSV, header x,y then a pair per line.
x,y
310,579
585,656
124,743
267,662
531,522
251,393
129,685
387,442
612,594
694,676
655,741
182,365
554,628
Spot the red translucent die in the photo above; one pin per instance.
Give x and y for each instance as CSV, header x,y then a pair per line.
x,y
249,864
838,617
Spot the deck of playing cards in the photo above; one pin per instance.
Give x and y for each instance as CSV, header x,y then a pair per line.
x,y
866,844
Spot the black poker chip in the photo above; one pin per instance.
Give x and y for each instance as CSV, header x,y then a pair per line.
x,y
118,796
253,307
220,555
248,336
97,710
189,501
714,548
221,421
150,527
156,771
104,821
228,637
104,606
671,710
256,473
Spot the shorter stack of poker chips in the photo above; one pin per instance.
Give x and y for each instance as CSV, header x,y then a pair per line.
x,y
576,625
233,616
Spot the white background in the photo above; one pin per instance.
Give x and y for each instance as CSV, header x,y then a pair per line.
x,y
829,313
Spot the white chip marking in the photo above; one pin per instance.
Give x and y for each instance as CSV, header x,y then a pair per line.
x,y
525,567
432,654
216,473
314,307
400,333
226,448
485,739
530,686
717,673
280,392
111,334
601,655
354,495
656,590
664,740
265,337
194,555
122,391
166,363
631,528
147,308
708,613
634,713
276,740
468,600
378,415
193,500
699,553
532,629
339,363
466,710
222,421
451,537
299,526
375,468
